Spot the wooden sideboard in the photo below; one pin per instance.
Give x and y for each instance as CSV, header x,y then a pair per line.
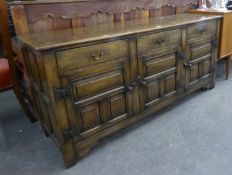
x,y
91,82
51,15
225,42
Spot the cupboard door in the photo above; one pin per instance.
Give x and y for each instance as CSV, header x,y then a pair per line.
x,y
100,98
158,77
199,61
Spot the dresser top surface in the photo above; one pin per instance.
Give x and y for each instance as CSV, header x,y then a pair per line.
x,y
61,38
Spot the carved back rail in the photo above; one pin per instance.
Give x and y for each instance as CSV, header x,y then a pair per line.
x,y
59,14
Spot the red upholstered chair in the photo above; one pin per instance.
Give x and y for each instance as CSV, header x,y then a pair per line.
x,y
5,77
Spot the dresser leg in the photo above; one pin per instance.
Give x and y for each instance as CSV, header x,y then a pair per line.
x,y
69,155
228,64
209,86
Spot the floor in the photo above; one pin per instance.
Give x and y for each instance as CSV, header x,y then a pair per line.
x,y
192,137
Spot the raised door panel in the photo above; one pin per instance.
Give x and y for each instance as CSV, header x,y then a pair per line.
x,y
160,64
98,84
200,50
43,112
117,106
152,91
170,84
89,117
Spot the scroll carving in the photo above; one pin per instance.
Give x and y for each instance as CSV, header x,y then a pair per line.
x,y
73,14
84,9
50,23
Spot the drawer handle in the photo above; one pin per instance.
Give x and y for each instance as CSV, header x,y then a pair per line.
x,y
160,41
97,57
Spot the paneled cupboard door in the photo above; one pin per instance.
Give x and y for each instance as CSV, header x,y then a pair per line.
x,y
199,60
159,75
100,95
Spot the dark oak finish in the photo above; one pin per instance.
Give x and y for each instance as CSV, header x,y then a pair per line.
x,y
91,82
225,42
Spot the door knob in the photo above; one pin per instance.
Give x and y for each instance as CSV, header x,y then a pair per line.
x,y
188,65
143,82
129,88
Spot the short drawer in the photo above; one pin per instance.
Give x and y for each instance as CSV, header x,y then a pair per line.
x,y
201,29
91,55
155,41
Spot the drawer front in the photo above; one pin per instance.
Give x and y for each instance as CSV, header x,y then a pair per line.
x,y
90,55
155,41
202,29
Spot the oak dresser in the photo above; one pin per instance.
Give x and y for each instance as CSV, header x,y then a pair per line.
x,y
89,83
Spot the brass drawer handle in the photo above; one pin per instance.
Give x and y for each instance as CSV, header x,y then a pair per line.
x,y
99,56
160,41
